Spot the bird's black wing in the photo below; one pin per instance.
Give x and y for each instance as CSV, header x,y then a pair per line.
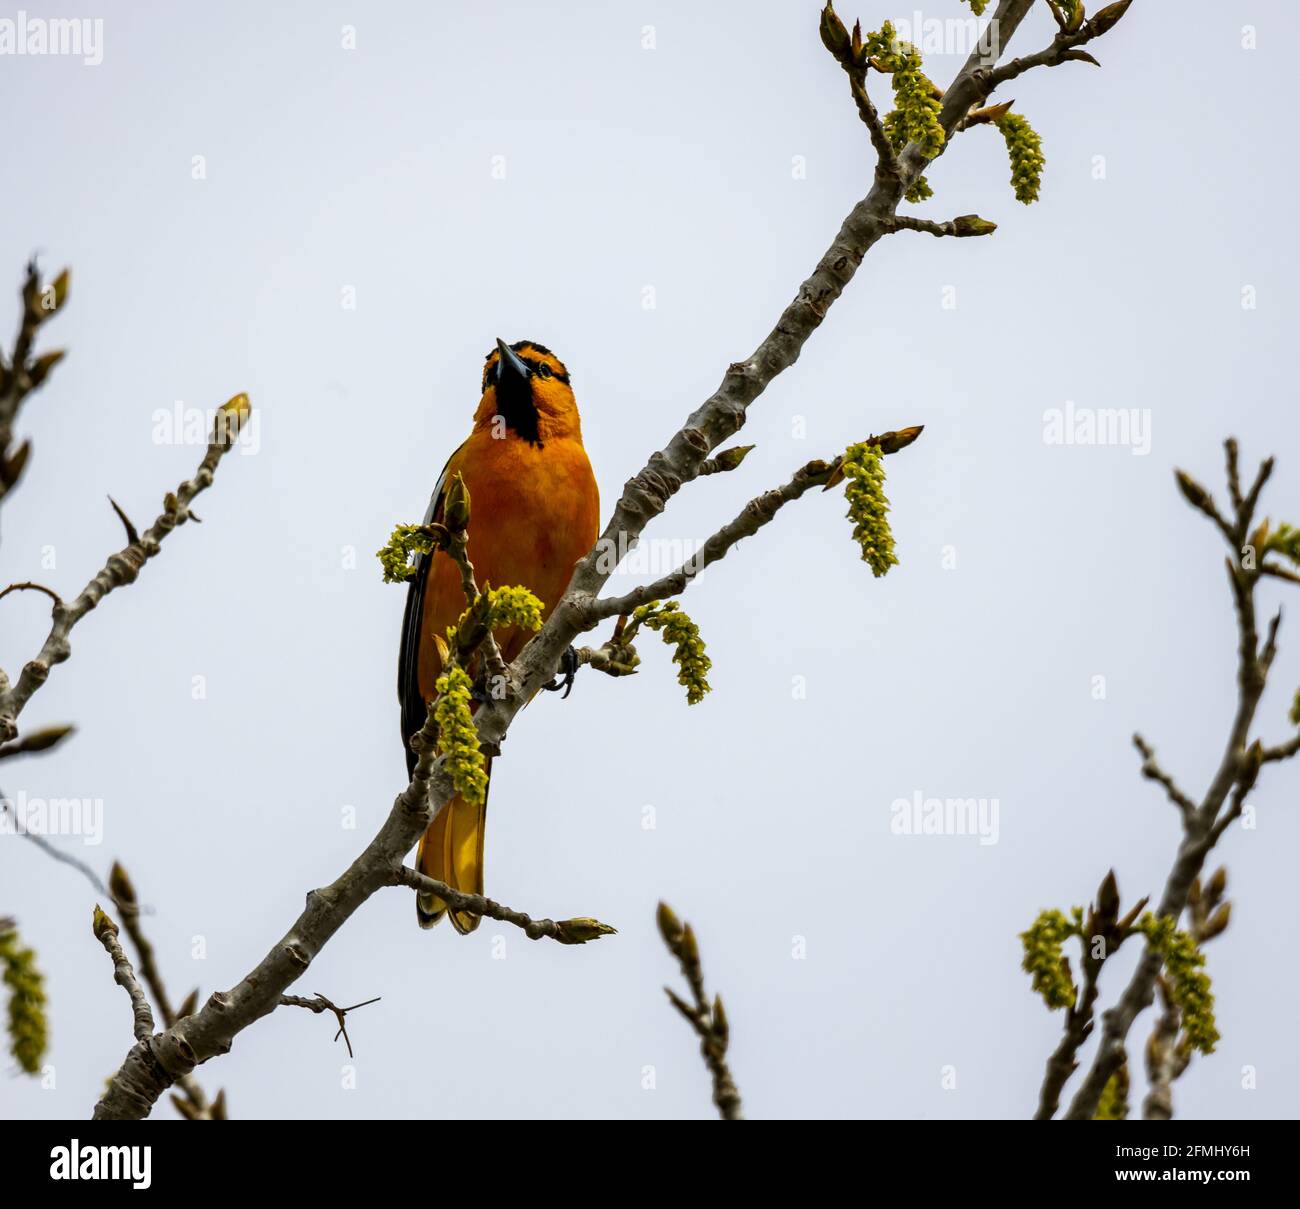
x,y
414,709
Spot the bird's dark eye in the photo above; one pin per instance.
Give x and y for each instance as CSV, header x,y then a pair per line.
x,y
543,370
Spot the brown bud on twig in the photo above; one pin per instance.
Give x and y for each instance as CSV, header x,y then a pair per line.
x,y
11,468
892,442
670,927
1107,912
681,1005
1080,56
43,364
42,739
101,924
1251,762
966,225
120,886
579,931
834,36
1217,922
992,113
1194,493
1218,884
721,1026
1105,20
455,511
729,459
1130,919
231,416
185,1108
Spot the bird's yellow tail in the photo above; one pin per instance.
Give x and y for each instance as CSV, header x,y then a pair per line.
x,y
451,851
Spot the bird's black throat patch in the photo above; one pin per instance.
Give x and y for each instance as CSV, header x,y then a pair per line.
x,y
516,407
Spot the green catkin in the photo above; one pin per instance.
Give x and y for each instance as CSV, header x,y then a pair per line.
x,y
864,474
679,631
397,557
28,1031
915,116
1189,984
1025,150
457,738
1045,962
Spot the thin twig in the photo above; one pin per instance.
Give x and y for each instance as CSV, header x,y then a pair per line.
x,y
758,512
20,376
55,853
1153,772
321,1004
121,568
708,1020
964,226
33,587
565,931
131,535
106,933
47,738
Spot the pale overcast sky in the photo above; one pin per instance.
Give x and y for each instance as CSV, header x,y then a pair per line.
x,y
642,186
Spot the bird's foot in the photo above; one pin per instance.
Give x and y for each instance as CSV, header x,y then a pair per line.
x,y
568,670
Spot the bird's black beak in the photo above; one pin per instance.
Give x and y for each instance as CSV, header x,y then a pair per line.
x,y
515,402
509,367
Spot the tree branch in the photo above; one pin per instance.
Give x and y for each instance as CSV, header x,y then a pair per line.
x,y
1166,1059
20,376
963,226
708,1021
1100,938
758,512
1064,47
1238,768
124,975
1064,1060
121,568
321,1004
1153,772
566,931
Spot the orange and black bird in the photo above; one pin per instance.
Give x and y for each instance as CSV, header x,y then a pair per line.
x,y
536,510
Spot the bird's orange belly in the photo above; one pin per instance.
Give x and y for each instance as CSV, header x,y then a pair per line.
x,y
533,514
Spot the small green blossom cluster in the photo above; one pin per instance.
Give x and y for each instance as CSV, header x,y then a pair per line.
x,y
513,606
678,630
1113,1105
868,506
977,6
1045,962
494,609
1286,541
397,558
1189,984
915,116
27,1027
1025,149
457,738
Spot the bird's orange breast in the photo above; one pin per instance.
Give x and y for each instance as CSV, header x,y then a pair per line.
x,y
534,512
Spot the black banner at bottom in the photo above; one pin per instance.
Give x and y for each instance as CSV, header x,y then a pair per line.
x,y
325,1158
